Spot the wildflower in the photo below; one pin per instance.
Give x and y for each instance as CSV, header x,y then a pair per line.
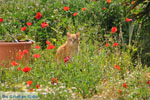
x,y
48,43
83,9
38,15
113,30
108,1
66,59
66,8
106,44
115,44
23,28
31,90
120,91
29,23
19,68
37,86
50,47
25,51
128,20
115,66
132,2
26,69
148,82
44,24
36,56
19,55
37,47
104,8
118,67
29,83
1,19
54,80
124,85
14,63
75,14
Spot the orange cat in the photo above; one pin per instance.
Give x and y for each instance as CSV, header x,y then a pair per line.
x,y
70,48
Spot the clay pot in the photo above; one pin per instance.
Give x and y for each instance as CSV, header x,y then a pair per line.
x,y
9,50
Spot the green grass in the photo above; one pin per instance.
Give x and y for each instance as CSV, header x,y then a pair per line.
x,y
92,72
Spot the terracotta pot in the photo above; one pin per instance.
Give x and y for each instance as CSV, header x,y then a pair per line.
x,y
9,50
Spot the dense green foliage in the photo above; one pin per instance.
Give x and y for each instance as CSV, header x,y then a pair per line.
x,y
92,72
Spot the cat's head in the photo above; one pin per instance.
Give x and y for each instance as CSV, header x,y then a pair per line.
x,y
73,39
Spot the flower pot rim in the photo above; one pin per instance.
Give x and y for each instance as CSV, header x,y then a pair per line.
x,y
2,42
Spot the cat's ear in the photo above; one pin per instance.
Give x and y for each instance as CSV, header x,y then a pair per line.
x,y
78,34
68,34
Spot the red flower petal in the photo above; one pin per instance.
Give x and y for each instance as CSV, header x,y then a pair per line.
x,y
26,69
14,63
83,9
37,47
50,47
128,20
113,30
75,14
36,56
1,19
38,15
23,28
29,23
66,8
29,83
124,85
108,1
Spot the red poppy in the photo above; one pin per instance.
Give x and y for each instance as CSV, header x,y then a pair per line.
x,y
31,90
54,80
104,8
75,14
38,15
106,44
66,59
115,44
132,2
108,1
29,83
37,86
48,43
14,63
148,82
118,67
37,47
1,19
29,23
50,47
25,51
19,68
44,24
115,66
83,9
19,55
23,28
26,69
113,30
66,8
124,85
36,56
120,91
128,20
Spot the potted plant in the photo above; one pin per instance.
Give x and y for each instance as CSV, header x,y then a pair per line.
x,y
14,49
